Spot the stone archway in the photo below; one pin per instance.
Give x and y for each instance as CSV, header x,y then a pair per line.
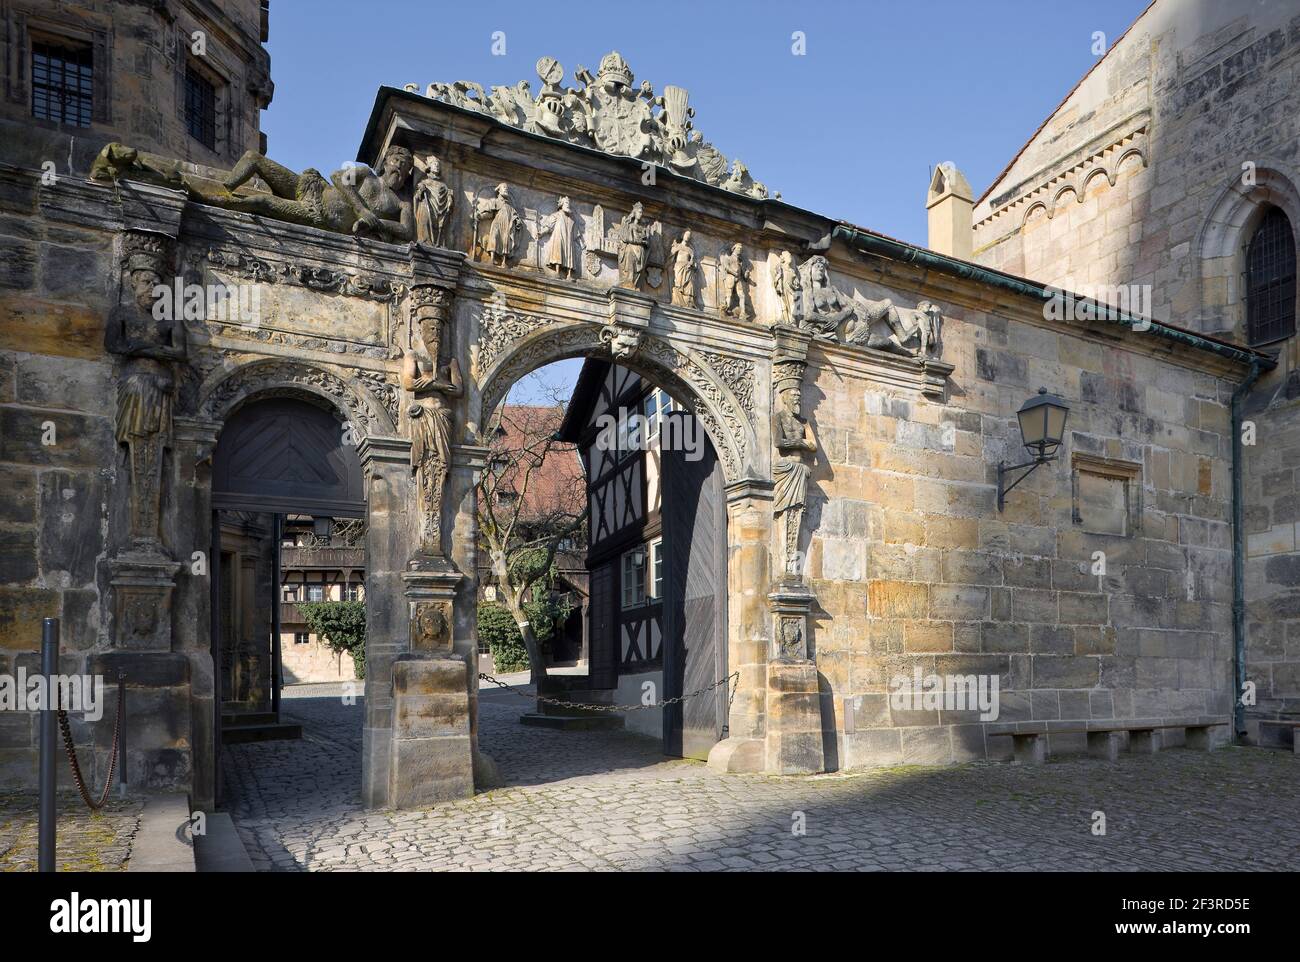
x,y
368,421
729,392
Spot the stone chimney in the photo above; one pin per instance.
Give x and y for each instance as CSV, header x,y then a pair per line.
x,y
949,203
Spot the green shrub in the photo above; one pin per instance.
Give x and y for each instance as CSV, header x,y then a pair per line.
x,y
497,627
341,625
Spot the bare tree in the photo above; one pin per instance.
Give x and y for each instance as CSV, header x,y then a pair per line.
x,y
527,509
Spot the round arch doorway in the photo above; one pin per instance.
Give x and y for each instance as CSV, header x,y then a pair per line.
x,y
655,555
275,457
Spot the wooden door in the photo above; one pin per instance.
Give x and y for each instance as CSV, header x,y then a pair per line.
x,y
695,589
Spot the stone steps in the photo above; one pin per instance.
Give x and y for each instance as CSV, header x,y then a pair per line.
x,y
573,723
266,732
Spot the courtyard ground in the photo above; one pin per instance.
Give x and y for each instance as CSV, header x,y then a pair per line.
x,y
605,801
85,841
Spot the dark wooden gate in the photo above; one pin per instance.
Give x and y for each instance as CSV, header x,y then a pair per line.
x,y
695,602
284,455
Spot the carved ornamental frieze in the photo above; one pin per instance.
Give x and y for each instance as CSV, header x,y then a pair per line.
x,y
609,113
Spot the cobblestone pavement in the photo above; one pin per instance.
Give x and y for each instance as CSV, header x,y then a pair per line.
x,y
85,841
601,801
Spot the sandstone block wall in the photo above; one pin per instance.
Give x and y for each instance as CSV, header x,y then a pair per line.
x,y
912,564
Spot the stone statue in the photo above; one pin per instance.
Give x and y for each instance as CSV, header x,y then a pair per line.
x,y
355,200
153,342
795,447
433,203
559,248
824,306
633,249
684,271
787,285
433,386
117,162
734,276
504,224
610,112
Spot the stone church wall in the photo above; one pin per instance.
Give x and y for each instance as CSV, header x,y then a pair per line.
x,y
1154,173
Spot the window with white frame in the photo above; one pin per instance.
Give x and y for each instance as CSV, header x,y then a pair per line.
x,y
315,592
301,637
657,405
634,577
352,592
656,569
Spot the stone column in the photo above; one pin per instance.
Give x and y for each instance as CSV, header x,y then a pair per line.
x,y
195,442
793,736
749,536
390,501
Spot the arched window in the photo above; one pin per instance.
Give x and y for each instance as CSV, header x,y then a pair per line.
x,y
1270,280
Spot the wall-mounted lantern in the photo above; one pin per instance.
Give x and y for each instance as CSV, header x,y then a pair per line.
x,y
1042,427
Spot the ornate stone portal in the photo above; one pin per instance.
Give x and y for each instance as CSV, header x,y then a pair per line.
x,y
729,335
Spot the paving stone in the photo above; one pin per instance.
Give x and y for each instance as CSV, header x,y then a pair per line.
x,y
603,801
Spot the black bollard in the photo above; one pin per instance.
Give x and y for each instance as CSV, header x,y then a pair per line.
x,y
121,739
49,744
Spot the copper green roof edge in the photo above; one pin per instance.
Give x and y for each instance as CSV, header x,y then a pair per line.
x,y
900,251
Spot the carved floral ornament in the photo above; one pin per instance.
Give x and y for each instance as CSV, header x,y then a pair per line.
x,y
609,113
272,378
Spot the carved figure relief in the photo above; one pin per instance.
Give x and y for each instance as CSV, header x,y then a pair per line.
x,y
503,223
433,203
784,276
879,324
640,249
431,627
684,270
733,275
623,341
433,386
153,348
609,112
354,200
559,247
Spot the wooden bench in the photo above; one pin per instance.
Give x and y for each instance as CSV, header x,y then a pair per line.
x,y
1029,739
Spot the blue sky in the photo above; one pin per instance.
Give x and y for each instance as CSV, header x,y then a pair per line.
x,y
850,129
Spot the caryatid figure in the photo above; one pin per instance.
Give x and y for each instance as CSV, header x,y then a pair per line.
x,y
433,387
153,341
433,203
684,269
795,447
504,224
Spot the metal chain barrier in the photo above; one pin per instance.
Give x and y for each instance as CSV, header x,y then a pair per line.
x,y
561,703
112,761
